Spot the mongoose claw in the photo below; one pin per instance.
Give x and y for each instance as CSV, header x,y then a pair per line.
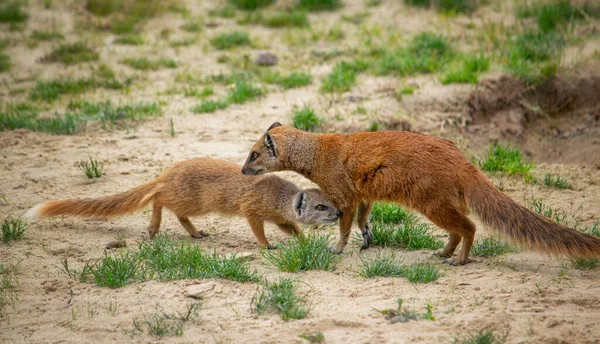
x,y
368,238
200,235
271,247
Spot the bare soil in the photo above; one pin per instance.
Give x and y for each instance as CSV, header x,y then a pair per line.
x,y
526,296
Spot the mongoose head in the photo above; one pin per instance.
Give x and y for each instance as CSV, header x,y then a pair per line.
x,y
263,156
312,207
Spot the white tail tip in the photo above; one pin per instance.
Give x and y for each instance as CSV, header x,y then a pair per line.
x,y
33,212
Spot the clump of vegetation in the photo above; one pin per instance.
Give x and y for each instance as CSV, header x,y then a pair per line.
x,y
589,263
552,15
169,261
309,253
306,119
193,25
556,182
4,58
230,40
209,106
396,227
91,167
427,52
490,247
8,287
466,69
244,91
130,39
482,337
505,159
319,5
250,5
46,35
72,53
446,6
226,11
144,63
533,56
116,271
13,229
293,18
292,80
166,324
343,76
52,89
386,265
281,297
560,216
12,13
404,315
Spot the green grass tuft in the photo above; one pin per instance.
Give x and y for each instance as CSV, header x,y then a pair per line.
x,y
309,253
192,25
13,229
466,70
172,261
386,265
4,58
144,63
292,80
306,119
343,76
383,265
230,40
319,5
534,56
446,6
250,5
130,39
11,12
560,216
482,337
281,297
427,52
116,271
46,35
507,160
589,263
396,227
209,106
92,167
72,53
552,15
244,91
556,182
53,89
490,247
293,18
226,11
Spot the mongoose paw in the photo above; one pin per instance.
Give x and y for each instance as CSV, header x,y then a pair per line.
x,y
271,247
455,262
200,235
441,254
335,250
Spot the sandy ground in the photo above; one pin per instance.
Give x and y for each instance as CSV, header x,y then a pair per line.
x,y
528,297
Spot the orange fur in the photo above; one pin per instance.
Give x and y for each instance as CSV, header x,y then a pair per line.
x,y
424,173
201,186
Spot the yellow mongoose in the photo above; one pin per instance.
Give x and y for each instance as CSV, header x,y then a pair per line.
x,y
422,172
200,186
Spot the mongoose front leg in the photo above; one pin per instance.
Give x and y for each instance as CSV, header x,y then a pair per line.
x,y
187,224
258,228
364,211
345,228
154,225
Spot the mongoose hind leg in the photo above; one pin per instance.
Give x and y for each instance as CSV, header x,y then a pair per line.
x,y
258,228
190,228
364,211
453,242
459,227
155,220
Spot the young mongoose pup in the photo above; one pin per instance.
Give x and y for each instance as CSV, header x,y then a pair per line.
x,y
422,172
201,186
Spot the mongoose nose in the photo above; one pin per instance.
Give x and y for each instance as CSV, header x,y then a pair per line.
x,y
339,213
244,170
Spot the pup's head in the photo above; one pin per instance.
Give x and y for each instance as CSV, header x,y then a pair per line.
x,y
312,207
263,156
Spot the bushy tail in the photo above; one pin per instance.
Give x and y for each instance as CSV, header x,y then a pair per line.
x,y
109,206
524,227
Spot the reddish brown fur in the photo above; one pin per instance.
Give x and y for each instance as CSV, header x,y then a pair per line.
x,y
424,173
201,186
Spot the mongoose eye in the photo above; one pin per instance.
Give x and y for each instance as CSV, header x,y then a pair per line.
x,y
254,156
321,207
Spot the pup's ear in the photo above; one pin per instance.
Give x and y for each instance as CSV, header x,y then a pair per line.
x,y
274,125
270,144
299,203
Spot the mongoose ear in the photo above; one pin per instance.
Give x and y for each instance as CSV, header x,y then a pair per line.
x,y
274,125
270,144
299,203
